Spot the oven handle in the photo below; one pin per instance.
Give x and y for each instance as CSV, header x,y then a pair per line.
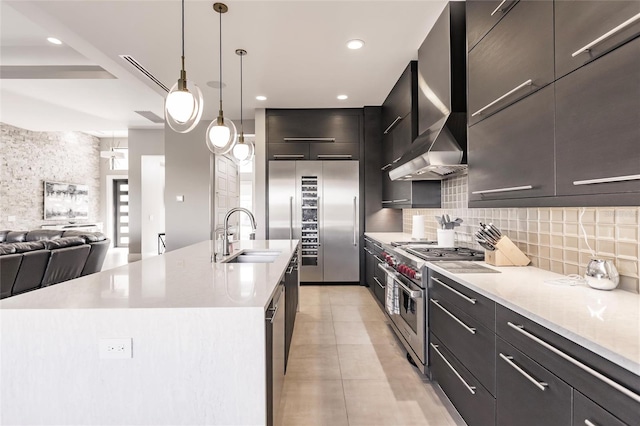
x,y
414,294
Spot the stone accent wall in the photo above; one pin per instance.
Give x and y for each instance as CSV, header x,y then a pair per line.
x,y
552,237
29,158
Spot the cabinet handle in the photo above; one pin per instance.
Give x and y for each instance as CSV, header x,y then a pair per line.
x,y
396,160
520,329
589,422
468,299
379,260
605,36
509,93
377,245
513,188
378,281
288,156
274,312
404,200
386,166
471,389
368,251
498,8
387,201
606,180
540,385
309,139
345,156
469,329
392,124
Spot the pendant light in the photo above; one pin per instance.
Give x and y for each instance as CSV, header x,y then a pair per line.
x,y
183,105
221,133
242,152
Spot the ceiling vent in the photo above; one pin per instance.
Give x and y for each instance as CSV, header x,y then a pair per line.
x,y
144,71
154,118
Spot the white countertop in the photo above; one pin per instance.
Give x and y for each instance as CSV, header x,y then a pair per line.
x,y
605,322
183,278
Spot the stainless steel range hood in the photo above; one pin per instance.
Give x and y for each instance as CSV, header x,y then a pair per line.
x,y
439,152
436,153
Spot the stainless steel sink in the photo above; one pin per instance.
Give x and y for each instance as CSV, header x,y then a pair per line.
x,y
254,256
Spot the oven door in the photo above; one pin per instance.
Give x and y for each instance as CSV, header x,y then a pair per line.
x,y
410,322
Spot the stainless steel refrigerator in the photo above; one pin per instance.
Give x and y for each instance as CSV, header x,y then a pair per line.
x,y
317,202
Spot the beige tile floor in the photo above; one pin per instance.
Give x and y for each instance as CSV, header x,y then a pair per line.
x,y
347,368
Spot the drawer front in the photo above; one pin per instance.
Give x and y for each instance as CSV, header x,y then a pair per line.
x,y
334,151
511,153
596,142
607,384
471,303
288,151
518,50
528,394
579,23
474,403
587,412
473,344
482,15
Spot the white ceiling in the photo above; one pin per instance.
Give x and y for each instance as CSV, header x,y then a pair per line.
x,y
296,56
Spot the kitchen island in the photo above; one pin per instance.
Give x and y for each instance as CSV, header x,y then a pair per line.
x,y
197,333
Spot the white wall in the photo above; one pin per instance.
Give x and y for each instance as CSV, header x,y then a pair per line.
x,y
152,208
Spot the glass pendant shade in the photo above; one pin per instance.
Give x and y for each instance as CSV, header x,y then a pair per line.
x,y
183,108
221,138
242,152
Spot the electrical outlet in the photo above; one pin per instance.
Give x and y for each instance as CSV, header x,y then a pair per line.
x,y
116,348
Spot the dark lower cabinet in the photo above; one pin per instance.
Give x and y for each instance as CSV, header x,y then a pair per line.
x,y
474,403
374,276
598,126
511,153
587,412
291,286
527,393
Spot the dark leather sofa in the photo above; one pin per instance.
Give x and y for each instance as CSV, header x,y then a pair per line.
x,y
33,259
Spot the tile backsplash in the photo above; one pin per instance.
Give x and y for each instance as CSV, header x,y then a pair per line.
x,y
551,236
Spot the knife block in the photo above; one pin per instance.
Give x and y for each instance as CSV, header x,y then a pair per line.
x,y
506,254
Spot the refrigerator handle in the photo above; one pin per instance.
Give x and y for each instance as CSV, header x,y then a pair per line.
x,y
319,225
291,218
355,218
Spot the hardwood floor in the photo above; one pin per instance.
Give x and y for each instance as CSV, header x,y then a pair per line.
x,y
346,367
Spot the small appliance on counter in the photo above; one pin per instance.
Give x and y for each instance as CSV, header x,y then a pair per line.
x,y
602,274
500,250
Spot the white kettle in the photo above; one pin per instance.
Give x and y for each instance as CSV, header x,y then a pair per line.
x,y
602,274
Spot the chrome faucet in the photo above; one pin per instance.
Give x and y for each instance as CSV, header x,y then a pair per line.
x,y
226,245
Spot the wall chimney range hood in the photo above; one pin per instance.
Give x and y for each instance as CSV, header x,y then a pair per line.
x,y
439,152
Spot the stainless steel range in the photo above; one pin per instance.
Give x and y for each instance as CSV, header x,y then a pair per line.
x,y
404,266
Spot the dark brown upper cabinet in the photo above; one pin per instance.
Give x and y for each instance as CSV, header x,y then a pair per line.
x,y
586,30
511,153
514,60
598,126
482,15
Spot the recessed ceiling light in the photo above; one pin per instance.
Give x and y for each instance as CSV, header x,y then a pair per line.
x,y
261,98
355,44
53,40
342,97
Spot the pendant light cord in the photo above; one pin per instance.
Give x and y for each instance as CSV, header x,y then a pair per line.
x,y
182,35
241,123
220,13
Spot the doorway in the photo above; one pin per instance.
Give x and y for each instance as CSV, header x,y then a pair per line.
x,y
121,212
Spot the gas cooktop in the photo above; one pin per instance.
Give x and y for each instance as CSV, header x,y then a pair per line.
x,y
443,253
